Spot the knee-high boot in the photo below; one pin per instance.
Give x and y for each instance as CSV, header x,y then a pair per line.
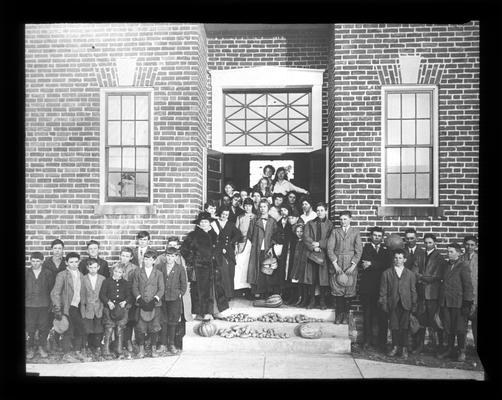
x,y
461,346
322,297
338,309
447,352
311,296
120,339
420,341
305,296
106,345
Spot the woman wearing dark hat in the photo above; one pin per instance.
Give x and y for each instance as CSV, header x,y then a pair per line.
x,y
199,251
243,247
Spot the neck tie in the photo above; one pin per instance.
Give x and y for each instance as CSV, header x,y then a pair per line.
x,y
377,247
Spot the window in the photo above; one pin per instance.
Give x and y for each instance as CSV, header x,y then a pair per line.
x,y
266,110
267,118
126,145
410,145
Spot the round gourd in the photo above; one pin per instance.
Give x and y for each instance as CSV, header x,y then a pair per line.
x,y
309,331
207,329
394,241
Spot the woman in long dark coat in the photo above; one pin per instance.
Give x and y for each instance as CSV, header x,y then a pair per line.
x,y
228,237
261,234
200,251
316,236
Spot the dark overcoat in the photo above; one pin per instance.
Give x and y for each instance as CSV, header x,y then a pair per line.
x,y
393,289
256,234
283,237
104,268
148,287
412,259
38,290
135,255
456,286
310,235
299,260
369,283
430,271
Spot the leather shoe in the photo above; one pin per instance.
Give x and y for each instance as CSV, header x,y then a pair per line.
x,y
404,353
42,352
445,353
173,350
345,319
393,352
461,356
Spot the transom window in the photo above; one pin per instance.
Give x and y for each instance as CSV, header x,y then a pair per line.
x,y
267,118
409,130
127,146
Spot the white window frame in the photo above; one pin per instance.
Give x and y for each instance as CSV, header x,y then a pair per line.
x,y
102,153
435,142
266,77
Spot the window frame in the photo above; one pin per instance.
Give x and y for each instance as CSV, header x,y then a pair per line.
x,y
433,90
265,78
104,93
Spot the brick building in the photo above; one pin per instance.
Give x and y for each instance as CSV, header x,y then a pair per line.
x,y
134,126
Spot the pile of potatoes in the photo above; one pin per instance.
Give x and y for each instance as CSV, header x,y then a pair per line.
x,y
298,318
240,317
247,332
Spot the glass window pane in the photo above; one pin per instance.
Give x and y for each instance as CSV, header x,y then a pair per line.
x,y
407,160
393,186
127,132
234,99
142,107
141,185
114,159
394,105
408,186
299,138
302,110
113,133
299,98
256,113
252,97
235,139
258,100
257,139
234,113
142,159
393,160
281,113
423,159
256,125
113,107
408,131
277,99
298,126
128,159
423,131
423,186
114,185
235,126
394,132
408,105
278,139
142,136
128,107
127,183
423,105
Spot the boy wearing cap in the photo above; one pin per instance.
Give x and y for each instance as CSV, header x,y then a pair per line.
x,y
148,289
39,282
65,297
116,296
175,284
93,252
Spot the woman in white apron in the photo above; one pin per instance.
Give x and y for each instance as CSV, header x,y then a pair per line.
x,y
243,250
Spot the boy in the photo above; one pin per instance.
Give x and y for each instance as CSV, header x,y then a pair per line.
x,y
143,241
411,251
398,297
148,289
91,307
429,269
116,296
39,283
175,283
471,257
375,259
93,252
455,301
56,262
65,297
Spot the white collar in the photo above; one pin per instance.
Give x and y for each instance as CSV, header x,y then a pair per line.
x,y
430,251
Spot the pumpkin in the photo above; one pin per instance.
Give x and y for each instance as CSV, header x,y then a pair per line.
x,y
206,329
309,331
394,241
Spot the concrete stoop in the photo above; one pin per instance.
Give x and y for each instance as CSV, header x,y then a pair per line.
x,y
334,340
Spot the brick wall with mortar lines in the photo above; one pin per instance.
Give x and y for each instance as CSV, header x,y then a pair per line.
x,y
363,57
66,65
301,49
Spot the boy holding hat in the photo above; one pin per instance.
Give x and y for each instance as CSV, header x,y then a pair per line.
x,y
38,285
148,289
116,296
175,284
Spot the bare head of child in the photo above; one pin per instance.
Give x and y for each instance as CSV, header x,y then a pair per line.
x,y
143,239
92,266
72,260
149,258
118,271
126,254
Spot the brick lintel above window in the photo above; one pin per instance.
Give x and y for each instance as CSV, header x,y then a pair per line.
x,y
403,211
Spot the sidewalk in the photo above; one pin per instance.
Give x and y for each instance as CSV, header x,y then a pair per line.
x,y
253,365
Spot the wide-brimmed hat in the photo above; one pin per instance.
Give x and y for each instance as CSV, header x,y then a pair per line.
x,y
344,279
202,215
61,325
172,250
117,313
147,316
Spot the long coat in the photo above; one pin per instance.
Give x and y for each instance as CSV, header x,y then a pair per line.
x,y
393,289
38,290
473,265
148,287
299,258
257,233
228,237
90,304
175,283
412,259
457,285
311,235
282,237
430,272
344,248
369,283
62,292
199,248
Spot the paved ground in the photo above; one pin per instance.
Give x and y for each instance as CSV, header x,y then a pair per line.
x,y
253,365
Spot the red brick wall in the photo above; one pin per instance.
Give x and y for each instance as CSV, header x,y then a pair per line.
x,y
357,53
295,49
66,64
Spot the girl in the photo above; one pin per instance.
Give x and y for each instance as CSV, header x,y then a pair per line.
x,y
281,184
299,262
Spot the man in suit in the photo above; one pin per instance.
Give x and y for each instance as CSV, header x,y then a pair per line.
x,y
471,256
455,299
93,252
374,260
398,298
429,269
411,250
143,241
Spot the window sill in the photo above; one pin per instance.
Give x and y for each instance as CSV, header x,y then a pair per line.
x,y
402,211
125,209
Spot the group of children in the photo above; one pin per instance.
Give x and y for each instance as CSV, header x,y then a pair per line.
x,y
90,302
